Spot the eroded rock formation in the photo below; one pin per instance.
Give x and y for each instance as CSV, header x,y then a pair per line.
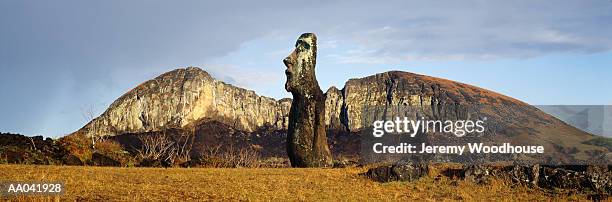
x,y
593,179
187,97
184,97
397,172
181,97
306,136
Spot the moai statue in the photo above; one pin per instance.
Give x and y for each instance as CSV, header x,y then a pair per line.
x,y
306,138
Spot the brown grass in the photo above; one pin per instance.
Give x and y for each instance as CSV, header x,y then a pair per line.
x,y
179,184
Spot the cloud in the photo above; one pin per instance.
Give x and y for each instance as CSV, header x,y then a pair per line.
x,y
471,30
107,47
196,30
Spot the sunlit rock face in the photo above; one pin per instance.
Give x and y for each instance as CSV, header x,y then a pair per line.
x,y
183,96
385,92
186,97
306,134
334,109
180,97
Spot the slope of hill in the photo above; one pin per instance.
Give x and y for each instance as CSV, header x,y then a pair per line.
x,y
191,101
183,96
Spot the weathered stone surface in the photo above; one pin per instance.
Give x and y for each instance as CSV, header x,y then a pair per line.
x,y
594,179
306,136
25,142
529,175
17,148
183,96
180,97
334,106
477,174
398,172
390,90
389,94
72,160
98,159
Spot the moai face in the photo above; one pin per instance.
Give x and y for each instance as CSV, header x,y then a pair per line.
x,y
301,63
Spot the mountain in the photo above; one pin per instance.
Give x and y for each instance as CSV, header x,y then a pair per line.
x,y
191,100
183,96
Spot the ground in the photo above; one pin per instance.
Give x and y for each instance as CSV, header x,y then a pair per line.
x,y
180,184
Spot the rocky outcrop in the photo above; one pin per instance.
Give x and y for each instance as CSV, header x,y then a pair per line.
x,y
21,149
402,94
334,109
98,159
383,94
183,96
26,142
593,179
306,135
397,172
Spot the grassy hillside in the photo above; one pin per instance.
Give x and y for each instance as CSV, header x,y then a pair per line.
x,y
176,184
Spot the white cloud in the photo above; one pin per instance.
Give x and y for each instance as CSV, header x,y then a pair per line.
x,y
472,30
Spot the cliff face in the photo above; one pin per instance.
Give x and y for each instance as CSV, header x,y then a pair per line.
x,y
387,94
189,99
181,97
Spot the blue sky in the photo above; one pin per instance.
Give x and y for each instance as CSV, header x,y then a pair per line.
x,y
58,58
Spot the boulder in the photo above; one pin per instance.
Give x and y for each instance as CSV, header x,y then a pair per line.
x,y
478,174
98,159
592,179
529,175
398,172
72,160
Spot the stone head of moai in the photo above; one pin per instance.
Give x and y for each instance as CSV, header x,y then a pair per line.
x,y
301,65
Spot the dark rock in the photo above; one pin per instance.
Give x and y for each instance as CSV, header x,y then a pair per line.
x,y
25,142
185,97
167,163
161,163
21,149
151,163
306,138
72,160
562,178
98,159
478,174
344,164
594,178
600,178
398,172
525,174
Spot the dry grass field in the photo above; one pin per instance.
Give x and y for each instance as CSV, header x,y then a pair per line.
x,y
277,184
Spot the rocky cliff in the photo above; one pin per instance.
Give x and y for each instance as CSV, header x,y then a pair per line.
x,y
183,96
186,98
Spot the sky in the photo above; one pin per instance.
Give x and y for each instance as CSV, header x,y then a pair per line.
x,y
61,58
